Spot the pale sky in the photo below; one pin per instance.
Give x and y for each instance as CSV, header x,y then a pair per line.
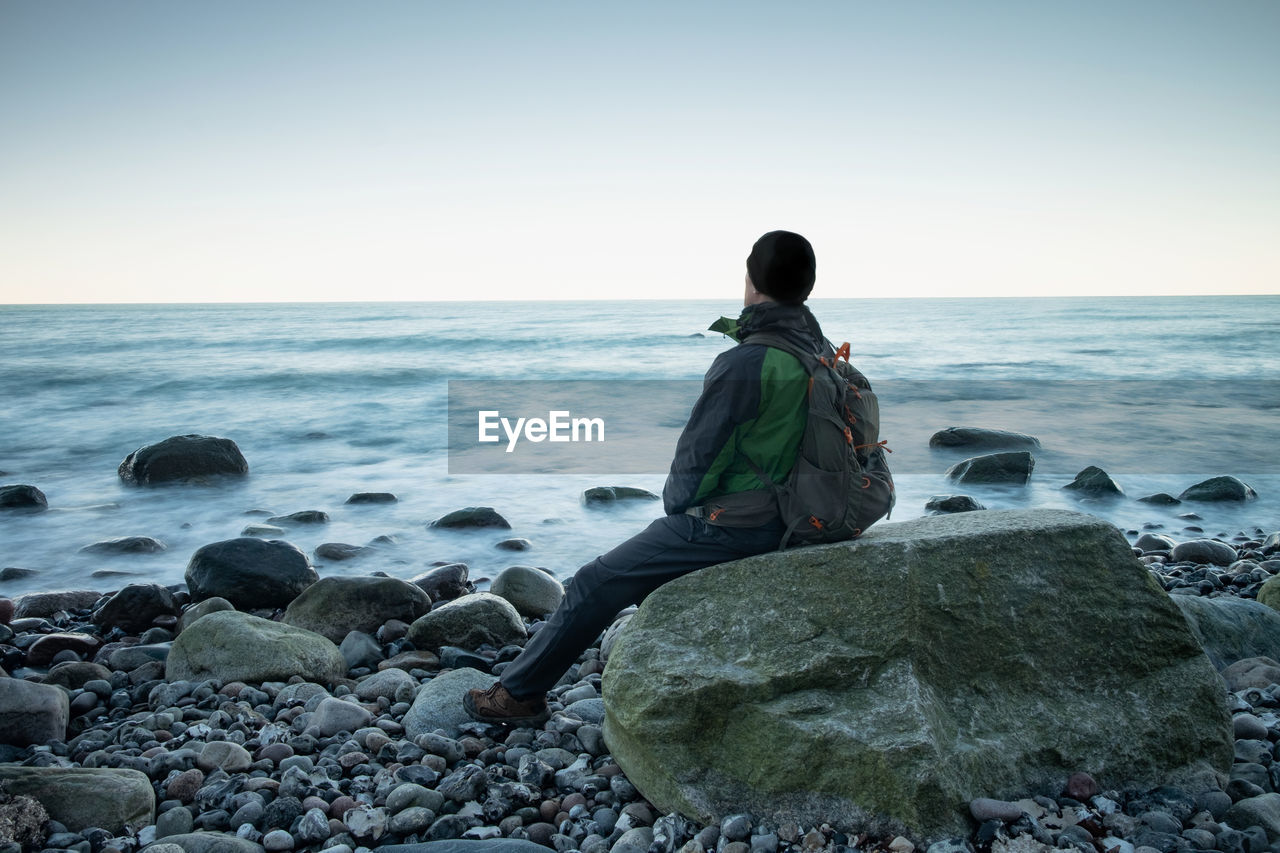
x,y
288,150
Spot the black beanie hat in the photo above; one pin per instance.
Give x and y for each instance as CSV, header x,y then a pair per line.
x,y
782,266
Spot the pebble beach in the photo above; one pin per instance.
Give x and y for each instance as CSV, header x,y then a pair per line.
x,y
297,765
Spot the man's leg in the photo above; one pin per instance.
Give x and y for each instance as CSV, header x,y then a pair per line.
x,y
668,548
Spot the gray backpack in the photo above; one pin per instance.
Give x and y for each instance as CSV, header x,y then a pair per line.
x,y
840,484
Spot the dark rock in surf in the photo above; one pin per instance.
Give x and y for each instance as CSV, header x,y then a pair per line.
x,y
1094,482
613,494
444,583
942,504
1204,551
338,551
183,458
250,573
1013,467
134,608
471,516
306,516
20,496
981,438
372,498
1220,489
1160,499
334,607
126,545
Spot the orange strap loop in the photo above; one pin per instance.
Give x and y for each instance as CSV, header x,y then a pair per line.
x,y
843,352
866,484
848,436
815,521
884,442
715,513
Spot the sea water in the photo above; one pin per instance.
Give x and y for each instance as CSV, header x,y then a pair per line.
x,y
326,400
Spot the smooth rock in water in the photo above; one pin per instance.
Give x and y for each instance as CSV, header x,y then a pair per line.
x,y
1160,499
20,496
940,678
234,646
612,494
438,704
372,498
114,799
183,458
1014,466
306,516
44,604
444,583
202,608
471,516
468,622
250,573
32,713
135,607
1271,544
514,545
941,504
1230,629
1154,542
126,545
335,606
532,592
977,437
1094,482
1220,489
338,551
1209,551
262,530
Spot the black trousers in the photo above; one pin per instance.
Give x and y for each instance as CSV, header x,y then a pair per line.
x,y
668,548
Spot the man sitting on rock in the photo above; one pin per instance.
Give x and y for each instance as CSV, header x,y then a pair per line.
x,y
751,414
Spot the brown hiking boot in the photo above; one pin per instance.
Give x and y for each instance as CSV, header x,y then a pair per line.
x,y
497,705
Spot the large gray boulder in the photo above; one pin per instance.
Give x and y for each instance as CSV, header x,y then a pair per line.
x,y
893,679
1014,466
468,622
1230,628
232,646
250,573
183,458
334,607
115,799
32,713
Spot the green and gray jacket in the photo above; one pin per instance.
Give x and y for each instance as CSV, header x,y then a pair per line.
x,y
753,406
